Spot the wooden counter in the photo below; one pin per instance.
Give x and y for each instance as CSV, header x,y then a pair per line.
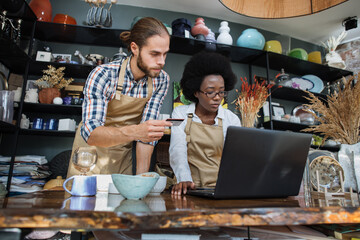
x,y
53,209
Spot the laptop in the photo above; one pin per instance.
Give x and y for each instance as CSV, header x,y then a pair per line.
x,y
259,163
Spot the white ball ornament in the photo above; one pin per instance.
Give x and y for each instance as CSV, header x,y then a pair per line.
x,y
58,100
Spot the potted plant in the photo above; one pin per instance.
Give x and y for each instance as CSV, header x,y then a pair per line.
x,y
50,84
339,120
250,100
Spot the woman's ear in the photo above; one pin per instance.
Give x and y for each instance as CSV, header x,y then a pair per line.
x,y
196,94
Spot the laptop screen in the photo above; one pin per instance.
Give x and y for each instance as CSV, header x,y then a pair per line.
x,y
259,163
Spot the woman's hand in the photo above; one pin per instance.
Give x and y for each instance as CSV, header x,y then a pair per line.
x,y
181,188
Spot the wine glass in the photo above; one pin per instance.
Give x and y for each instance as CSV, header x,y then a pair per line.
x,y
84,159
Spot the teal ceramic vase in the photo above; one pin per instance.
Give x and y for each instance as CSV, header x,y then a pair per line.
x,y
251,38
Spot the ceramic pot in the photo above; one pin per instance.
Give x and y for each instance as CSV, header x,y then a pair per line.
x,y
47,95
251,38
224,36
64,19
315,57
42,9
299,53
199,28
273,46
181,27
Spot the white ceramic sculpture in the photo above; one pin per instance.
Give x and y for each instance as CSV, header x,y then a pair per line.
x,y
224,36
349,158
31,96
333,59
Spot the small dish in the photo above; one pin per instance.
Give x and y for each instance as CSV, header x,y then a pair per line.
x,y
299,83
329,176
318,84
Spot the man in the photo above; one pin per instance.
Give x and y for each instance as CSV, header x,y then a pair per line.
x,y
122,99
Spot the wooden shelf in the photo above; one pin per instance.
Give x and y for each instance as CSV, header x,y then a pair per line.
x,y
71,70
52,108
12,56
47,133
7,127
55,32
301,67
18,9
65,33
283,125
292,94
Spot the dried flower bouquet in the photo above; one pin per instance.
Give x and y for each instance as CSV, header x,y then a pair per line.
x,y
53,78
250,100
340,117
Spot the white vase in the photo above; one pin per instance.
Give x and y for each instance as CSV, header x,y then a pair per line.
x,y
349,158
224,36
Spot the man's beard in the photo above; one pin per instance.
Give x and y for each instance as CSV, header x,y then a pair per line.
x,y
145,69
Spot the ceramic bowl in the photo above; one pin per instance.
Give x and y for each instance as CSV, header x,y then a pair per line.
x,y
315,57
135,186
159,186
298,53
132,205
273,46
64,19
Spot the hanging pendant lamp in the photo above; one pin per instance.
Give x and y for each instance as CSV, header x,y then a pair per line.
x,y
271,9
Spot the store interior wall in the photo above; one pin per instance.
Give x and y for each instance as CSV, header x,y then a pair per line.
x,y
122,18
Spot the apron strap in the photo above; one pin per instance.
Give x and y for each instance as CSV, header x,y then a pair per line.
x,y
120,84
220,122
187,127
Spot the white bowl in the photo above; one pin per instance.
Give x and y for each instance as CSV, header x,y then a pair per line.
x,y
159,186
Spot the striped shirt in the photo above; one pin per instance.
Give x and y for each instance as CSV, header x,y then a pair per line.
x,y
100,89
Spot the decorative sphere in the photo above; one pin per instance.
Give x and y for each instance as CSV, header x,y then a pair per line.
x,y
58,101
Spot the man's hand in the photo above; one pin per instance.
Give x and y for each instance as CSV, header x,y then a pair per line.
x,y
181,188
151,130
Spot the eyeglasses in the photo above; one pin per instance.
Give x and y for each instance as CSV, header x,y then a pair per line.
x,y
213,94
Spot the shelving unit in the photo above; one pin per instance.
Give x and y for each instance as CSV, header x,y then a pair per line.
x,y
17,60
20,62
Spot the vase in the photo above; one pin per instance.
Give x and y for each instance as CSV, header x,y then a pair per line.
x,y
248,119
47,95
349,158
199,28
42,10
251,38
181,27
224,36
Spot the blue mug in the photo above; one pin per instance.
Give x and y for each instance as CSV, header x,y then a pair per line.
x,y
79,203
82,185
38,123
51,124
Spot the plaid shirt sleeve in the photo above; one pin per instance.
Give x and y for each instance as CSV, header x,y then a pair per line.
x,y
153,106
96,98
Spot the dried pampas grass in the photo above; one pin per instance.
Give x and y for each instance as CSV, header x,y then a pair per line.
x,y
340,118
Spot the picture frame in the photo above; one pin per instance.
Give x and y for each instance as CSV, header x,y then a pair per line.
x,y
62,57
278,110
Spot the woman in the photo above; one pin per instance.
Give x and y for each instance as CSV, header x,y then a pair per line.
x,y
196,145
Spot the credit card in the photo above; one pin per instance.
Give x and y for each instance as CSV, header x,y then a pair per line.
x,y
174,121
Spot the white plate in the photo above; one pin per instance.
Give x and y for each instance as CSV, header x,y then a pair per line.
x,y
299,83
318,84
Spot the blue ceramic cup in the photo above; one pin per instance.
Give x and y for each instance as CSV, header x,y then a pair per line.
x,y
38,123
82,185
51,124
79,203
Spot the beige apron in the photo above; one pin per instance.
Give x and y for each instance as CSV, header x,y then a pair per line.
x,y
122,110
204,149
